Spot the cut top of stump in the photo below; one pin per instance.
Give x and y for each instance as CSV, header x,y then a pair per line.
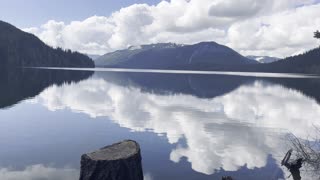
x,y
122,150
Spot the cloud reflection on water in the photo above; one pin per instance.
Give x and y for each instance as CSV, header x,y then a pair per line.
x,y
39,171
237,129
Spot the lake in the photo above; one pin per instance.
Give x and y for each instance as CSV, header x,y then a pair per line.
x,y
189,125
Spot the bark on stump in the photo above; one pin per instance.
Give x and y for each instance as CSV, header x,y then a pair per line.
x,y
120,161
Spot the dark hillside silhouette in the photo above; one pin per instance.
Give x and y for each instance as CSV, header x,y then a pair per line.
x,y
308,62
21,49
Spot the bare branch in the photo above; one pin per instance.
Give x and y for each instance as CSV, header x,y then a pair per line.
x,y
309,150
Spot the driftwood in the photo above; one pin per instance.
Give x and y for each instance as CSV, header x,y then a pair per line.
x,y
120,161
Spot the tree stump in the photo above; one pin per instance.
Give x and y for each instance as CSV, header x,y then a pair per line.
x,y
120,161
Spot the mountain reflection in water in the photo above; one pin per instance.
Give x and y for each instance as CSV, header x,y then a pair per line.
x,y
218,124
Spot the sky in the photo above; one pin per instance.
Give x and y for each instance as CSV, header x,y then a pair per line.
x,y
251,27
38,12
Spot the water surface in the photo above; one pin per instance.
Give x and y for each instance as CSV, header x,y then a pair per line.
x,y
189,125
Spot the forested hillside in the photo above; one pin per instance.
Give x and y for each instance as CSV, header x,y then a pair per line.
x,y
21,49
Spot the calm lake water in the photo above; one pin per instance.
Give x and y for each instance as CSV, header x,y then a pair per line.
x,y
189,126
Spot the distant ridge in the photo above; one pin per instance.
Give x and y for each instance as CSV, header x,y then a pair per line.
x,y
264,59
170,55
21,49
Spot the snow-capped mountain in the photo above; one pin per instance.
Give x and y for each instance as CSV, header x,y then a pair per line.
x,y
170,55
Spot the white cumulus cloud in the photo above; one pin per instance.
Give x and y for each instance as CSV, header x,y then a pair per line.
x,y
278,28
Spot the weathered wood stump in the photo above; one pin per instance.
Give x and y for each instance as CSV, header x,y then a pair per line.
x,y
120,161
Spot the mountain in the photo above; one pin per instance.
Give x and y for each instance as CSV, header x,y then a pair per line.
x,y
308,62
169,55
21,49
264,59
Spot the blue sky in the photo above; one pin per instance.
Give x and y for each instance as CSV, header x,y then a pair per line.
x,y
36,12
